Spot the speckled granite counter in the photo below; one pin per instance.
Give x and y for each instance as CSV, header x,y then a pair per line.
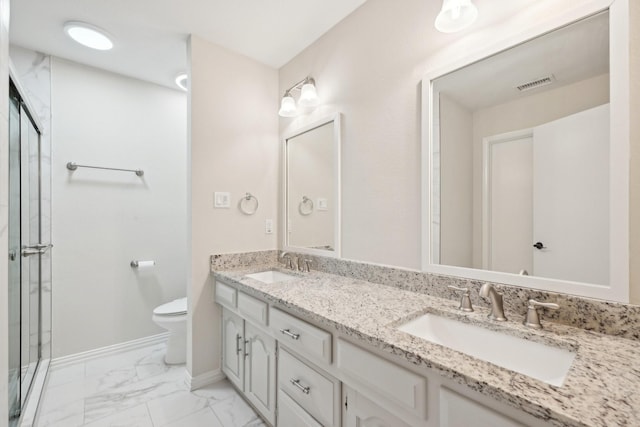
x,y
601,388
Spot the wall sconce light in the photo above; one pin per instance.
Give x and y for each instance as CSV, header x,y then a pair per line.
x,y
308,97
456,15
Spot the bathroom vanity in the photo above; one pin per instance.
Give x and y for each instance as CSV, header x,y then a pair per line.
x,y
326,350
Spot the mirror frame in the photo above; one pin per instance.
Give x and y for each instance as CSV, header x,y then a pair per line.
x,y
336,119
618,287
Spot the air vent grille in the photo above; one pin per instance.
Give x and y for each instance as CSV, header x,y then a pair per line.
x,y
533,84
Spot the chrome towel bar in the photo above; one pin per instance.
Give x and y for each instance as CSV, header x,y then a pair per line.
x,y
73,166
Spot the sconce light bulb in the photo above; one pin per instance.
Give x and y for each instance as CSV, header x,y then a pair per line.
x,y
456,15
288,106
308,94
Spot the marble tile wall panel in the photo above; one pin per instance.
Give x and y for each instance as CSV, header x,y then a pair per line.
x,y
34,71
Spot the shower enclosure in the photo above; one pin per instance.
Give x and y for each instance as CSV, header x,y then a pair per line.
x,y
27,250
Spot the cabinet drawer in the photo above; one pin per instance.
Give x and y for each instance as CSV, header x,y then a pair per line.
x,y
300,336
252,308
226,295
372,373
292,414
317,393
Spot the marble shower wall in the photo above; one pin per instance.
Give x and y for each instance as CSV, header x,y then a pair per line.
x,y
34,72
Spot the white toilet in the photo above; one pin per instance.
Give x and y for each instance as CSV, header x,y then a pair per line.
x,y
172,316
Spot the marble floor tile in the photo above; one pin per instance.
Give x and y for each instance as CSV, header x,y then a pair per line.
x,y
235,412
136,389
138,416
67,415
114,400
175,406
65,375
203,418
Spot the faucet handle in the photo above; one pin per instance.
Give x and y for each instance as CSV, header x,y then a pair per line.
x,y
465,300
307,265
532,319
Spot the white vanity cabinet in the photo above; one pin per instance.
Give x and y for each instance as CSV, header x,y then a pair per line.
x,y
297,374
249,361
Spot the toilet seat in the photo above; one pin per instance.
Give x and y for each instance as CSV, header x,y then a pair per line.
x,y
177,307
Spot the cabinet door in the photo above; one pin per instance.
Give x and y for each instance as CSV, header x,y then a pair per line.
x,y
358,411
290,414
232,347
260,371
457,410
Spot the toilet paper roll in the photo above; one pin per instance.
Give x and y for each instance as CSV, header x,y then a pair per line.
x,y
142,264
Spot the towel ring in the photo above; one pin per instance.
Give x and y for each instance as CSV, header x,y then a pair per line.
x,y
306,206
247,198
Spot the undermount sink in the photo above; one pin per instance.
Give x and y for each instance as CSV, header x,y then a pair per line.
x,y
536,360
272,276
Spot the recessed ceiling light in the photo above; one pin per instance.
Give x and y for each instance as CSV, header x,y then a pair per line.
x,y
181,81
88,35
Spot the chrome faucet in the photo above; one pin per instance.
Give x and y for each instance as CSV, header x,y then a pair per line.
x,y
532,319
497,310
289,260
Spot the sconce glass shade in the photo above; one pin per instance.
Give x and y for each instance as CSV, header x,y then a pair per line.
x,y
308,94
288,106
456,15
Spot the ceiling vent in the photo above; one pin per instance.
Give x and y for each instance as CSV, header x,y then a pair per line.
x,y
534,84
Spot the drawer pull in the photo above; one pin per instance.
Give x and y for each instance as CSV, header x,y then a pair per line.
x,y
302,388
290,334
238,338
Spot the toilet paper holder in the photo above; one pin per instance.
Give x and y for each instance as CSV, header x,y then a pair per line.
x,y
137,264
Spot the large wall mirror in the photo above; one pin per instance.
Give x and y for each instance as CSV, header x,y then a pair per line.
x,y
312,188
523,165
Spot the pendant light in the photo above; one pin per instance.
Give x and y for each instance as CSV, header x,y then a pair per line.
x,y
456,15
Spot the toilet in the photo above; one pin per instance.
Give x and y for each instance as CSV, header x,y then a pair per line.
x,y
172,316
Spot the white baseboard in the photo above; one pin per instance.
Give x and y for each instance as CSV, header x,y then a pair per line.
x,y
203,380
85,356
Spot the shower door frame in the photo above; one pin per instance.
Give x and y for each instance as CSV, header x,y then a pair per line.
x,y
29,400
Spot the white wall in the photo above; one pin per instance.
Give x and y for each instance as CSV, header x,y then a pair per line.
x,y
370,67
634,188
104,219
456,185
234,148
4,208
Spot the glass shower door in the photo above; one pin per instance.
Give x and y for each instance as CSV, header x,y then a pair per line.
x,y
25,253
14,257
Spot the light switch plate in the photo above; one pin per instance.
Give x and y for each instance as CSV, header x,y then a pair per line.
x,y
221,199
322,204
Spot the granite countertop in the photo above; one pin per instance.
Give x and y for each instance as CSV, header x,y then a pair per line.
x,y
601,388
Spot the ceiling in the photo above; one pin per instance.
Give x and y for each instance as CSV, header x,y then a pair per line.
x,y
571,54
150,35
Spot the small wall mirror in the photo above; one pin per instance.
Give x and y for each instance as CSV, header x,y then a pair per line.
x,y
521,165
312,188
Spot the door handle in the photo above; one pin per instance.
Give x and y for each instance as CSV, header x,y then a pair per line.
x,y
539,246
37,249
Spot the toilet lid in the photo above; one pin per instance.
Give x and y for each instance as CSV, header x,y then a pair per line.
x,y
173,308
